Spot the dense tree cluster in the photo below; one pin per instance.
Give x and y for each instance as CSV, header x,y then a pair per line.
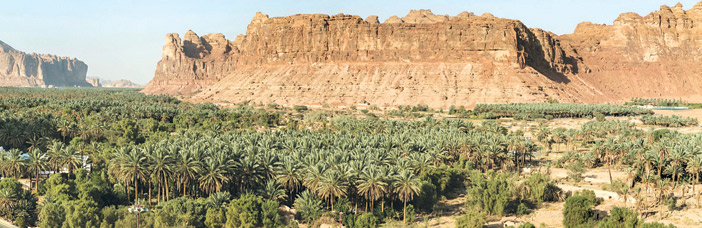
x,y
555,110
669,121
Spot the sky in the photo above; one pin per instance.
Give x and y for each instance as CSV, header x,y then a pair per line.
x,y
123,39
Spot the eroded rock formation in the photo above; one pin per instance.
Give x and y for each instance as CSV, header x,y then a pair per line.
x,y
437,60
21,69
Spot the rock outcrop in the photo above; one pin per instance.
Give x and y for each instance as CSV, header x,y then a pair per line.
x,y
21,69
122,84
437,60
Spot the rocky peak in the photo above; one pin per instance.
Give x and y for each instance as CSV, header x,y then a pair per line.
x,y
172,47
423,16
5,47
372,20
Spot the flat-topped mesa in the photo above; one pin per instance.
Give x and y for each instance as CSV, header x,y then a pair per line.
x,y
39,70
418,36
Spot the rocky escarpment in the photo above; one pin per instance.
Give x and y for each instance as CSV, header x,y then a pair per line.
x,y
433,59
21,69
643,56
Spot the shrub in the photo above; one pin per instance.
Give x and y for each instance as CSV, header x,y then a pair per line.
x,y
577,212
522,209
472,219
576,170
300,108
620,217
491,195
308,206
367,220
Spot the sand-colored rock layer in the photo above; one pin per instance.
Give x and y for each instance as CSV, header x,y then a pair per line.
x,y
21,69
437,60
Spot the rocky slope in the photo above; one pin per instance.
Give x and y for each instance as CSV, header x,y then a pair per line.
x,y
21,69
434,59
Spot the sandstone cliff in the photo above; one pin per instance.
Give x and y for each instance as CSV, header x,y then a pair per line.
x,y
21,69
431,59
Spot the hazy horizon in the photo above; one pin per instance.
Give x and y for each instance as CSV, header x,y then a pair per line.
x,y
123,39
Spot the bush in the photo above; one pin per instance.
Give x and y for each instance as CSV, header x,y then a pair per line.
x,y
576,170
522,209
577,212
589,195
541,189
427,197
472,219
245,211
300,108
620,217
491,195
308,206
366,220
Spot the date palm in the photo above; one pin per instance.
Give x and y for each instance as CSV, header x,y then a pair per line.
x,y
186,168
36,162
133,169
160,167
406,186
214,174
332,185
372,185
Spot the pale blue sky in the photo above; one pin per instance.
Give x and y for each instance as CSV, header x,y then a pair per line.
x,y
123,39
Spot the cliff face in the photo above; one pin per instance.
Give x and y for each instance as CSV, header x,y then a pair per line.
x,y
431,59
21,69
654,55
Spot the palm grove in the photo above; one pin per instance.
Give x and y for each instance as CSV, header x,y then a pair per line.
x,y
198,165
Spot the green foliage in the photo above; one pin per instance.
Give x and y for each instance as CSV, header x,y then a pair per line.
x,y
539,188
245,212
366,220
271,216
620,218
577,212
308,206
491,194
427,197
300,108
576,170
81,214
215,218
557,110
656,102
669,121
181,211
52,215
522,209
657,225
589,195
472,219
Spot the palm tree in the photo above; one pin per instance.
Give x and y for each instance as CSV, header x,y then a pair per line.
x,y
272,191
332,185
694,167
406,186
36,162
372,185
14,162
71,159
186,168
160,166
134,168
288,174
214,174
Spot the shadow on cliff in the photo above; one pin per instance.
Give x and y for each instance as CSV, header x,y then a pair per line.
x,y
551,73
